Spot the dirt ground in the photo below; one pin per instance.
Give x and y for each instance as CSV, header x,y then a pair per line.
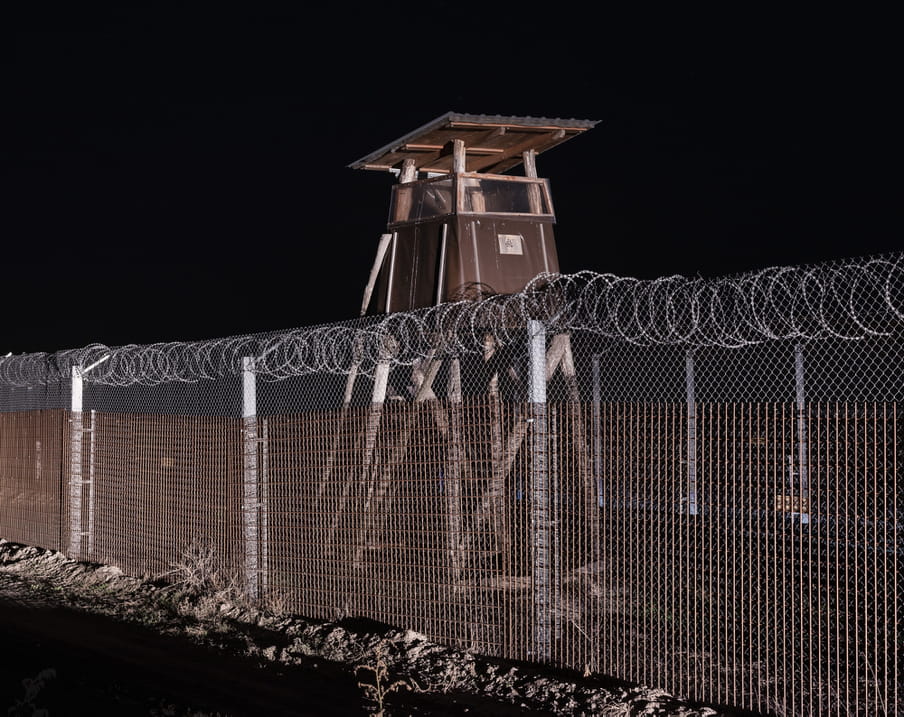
x,y
86,639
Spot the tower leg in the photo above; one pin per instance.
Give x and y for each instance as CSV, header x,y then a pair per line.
x,y
374,417
379,487
379,392
494,499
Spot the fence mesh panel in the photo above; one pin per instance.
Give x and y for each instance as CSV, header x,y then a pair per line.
x,y
682,482
31,466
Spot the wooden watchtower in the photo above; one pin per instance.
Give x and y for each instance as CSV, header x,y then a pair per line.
x,y
459,228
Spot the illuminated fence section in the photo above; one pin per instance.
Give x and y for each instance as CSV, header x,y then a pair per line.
x,y
681,483
416,519
30,466
748,603
161,486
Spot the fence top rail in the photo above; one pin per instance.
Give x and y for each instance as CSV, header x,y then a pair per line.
x,y
849,299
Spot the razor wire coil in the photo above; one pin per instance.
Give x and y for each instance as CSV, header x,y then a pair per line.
x,y
848,300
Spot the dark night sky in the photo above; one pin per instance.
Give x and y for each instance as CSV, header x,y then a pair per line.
x,y
185,176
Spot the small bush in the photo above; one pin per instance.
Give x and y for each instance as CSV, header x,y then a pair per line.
x,y
380,688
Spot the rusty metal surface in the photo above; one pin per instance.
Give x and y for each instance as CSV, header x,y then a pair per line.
x,y
462,260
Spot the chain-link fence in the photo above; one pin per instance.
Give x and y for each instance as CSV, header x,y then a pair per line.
x,y
683,482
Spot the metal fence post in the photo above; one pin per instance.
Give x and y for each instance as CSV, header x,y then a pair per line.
x,y
250,488
802,445
76,445
92,494
692,507
76,433
539,490
597,432
265,507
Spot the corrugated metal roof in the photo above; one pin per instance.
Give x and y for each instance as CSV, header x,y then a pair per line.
x,y
493,143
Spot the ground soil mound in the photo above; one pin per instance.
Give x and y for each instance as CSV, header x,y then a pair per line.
x,y
86,639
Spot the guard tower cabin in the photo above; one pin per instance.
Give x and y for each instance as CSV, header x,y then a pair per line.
x,y
459,228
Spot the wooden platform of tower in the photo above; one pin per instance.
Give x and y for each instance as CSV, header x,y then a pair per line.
x,y
460,229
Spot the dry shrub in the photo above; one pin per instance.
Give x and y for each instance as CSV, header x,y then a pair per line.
x,y
197,570
381,687
199,578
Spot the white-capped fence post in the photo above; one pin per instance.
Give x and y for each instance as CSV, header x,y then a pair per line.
x,y
250,487
802,445
91,487
76,434
265,506
76,479
691,434
539,491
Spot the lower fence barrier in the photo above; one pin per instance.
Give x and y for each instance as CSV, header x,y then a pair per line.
x,y
434,523
686,483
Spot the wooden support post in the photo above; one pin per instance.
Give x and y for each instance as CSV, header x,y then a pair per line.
x,y
382,247
350,381
250,486
379,487
513,445
560,356
423,375
423,379
495,495
381,384
441,271
390,278
378,484
382,372
374,417
409,171
386,245
539,493
459,157
529,156
404,194
530,170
